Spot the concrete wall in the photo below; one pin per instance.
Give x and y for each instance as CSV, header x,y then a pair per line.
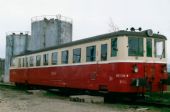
x,y
15,44
50,32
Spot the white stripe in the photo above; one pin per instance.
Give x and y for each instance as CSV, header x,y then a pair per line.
x,y
90,63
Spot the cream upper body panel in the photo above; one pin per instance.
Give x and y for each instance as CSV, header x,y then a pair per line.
x,y
122,54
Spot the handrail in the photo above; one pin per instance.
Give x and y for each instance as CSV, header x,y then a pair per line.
x,y
49,17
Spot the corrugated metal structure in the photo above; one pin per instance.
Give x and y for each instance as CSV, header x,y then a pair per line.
x,y
46,31
2,68
16,43
49,31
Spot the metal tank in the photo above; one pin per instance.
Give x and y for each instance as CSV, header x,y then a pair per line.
x,y
49,31
16,43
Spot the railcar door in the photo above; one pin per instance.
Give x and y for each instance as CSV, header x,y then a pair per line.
x,y
149,72
25,70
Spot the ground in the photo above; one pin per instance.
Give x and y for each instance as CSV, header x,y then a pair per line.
x,y
12,100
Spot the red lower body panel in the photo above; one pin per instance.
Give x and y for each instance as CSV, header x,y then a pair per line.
x,y
113,77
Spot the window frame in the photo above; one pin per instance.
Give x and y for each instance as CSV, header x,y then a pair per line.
x,y
105,53
114,49
54,62
136,48
19,62
64,58
77,56
163,50
93,56
45,59
38,63
31,61
149,48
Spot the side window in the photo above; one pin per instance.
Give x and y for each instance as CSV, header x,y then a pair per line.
x,y
149,47
77,55
19,62
38,60
26,62
103,52
65,57
31,61
23,62
91,53
54,58
45,59
113,47
159,48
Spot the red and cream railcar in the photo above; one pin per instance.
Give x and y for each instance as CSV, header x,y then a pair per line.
x,y
123,61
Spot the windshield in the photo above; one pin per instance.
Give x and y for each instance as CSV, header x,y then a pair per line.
x,y
135,46
159,48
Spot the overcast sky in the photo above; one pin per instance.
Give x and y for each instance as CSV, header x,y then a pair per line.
x,y
90,17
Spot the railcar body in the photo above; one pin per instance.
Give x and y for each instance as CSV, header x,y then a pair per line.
x,y
123,62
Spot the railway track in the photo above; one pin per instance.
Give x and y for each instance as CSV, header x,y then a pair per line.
x,y
157,104
7,85
147,103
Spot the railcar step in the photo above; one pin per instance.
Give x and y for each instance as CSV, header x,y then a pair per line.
x,y
87,98
36,92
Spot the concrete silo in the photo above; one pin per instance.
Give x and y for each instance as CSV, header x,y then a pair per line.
x,y
16,43
48,31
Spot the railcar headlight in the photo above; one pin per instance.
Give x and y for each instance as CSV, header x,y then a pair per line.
x,y
164,69
135,68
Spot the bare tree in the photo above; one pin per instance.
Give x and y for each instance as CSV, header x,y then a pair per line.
x,y
112,26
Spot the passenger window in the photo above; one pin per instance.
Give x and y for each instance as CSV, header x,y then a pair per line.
x,y
77,55
31,61
26,62
23,62
114,47
149,47
54,58
103,52
45,59
19,62
38,60
65,57
135,46
91,53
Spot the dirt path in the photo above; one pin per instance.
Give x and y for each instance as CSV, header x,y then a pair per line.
x,y
20,101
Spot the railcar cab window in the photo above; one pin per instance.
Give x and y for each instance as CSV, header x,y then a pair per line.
x,y
114,47
31,61
103,52
54,58
91,53
135,46
149,47
38,60
65,57
159,48
76,55
45,59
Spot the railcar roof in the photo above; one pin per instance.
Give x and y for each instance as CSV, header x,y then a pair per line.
x,y
98,37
